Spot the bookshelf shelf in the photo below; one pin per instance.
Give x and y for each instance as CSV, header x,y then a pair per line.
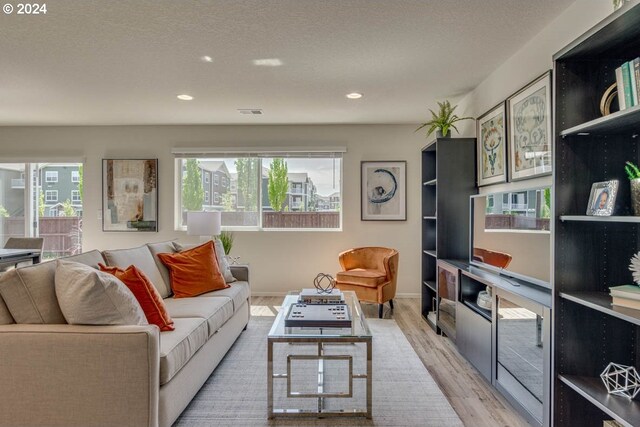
x,y
431,284
626,412
431,253
618,123
430,182
587,218
601,302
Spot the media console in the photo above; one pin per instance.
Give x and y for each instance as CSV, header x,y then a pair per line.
x,y
508,343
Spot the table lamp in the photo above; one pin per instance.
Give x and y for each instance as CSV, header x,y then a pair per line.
x,y
204,224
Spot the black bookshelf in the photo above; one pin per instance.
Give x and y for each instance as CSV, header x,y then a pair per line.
x,y
592,254
448,179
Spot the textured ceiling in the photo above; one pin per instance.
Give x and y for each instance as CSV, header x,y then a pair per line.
x,y
124,62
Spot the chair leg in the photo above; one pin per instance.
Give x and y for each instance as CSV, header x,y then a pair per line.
x,y
391,304
380,307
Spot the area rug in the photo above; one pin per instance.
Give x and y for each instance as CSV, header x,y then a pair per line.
x,y
404,394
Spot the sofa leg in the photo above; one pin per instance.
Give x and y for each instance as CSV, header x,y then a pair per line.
x,y
245,327
380,307
391,304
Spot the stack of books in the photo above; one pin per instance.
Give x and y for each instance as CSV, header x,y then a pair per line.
x,y
628,80
626,296
312,296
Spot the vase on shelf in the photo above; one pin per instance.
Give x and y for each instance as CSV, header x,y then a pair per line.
x,y
635,196
440,135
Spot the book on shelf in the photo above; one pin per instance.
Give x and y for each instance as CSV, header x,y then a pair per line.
x,y
626,291
628,81
626,302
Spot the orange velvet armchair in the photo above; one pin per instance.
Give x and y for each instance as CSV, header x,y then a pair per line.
x,y
372,272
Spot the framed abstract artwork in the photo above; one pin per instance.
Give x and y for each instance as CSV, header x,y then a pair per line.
x,y
383,191
492,141
529,131
129,195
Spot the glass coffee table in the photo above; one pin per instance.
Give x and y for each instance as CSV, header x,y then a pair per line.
x,y
340,354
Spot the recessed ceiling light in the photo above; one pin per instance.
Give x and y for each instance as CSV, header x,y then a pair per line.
x,y
354,95
267,62
185,97
206,58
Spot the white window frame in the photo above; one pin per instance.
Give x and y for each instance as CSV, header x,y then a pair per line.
x,y
224,181
75,196
216,179
206,196
216,198
207,177
50,176
181,154
75,176
52,192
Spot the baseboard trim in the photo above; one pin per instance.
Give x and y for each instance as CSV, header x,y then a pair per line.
x,y
282,294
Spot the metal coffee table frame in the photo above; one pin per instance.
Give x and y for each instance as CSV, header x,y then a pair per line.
x,y
359,333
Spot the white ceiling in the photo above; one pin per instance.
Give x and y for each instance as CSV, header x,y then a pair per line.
x,y
123,62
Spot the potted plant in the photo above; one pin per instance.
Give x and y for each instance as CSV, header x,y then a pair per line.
x,y
226,237
443,121
633,173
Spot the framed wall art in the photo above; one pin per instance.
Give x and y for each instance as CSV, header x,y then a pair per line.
x,y
129,195
383,191
529,131
602,199
492,141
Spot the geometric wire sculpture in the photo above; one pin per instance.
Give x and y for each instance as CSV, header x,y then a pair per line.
x,y
621,380
319,283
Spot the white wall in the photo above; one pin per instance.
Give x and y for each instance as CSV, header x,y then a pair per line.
x,y
531,61
280,261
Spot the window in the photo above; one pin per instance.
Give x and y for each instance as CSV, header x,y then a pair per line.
x,y
75,196
206,197
51,176
51,196
75,176
310,196
207,178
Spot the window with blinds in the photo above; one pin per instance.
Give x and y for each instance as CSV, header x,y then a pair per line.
x,y
262,188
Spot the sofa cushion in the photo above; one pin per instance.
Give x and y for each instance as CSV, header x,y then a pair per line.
x,y
178,346
91,297
5,315
30,295
162,248
362,277
216,311
91,258
238,292
140,257
194,271
146,294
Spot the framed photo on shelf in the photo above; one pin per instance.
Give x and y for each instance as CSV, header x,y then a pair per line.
x,y
530,130
383,191
492,141
603,198
129,195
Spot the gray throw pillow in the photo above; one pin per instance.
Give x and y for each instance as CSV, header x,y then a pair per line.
x,y
90,297
223,263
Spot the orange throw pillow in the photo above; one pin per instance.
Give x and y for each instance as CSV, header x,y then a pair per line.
x,y
147,295
194,271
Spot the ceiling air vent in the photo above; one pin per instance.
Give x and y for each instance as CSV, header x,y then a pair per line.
x,y
254,111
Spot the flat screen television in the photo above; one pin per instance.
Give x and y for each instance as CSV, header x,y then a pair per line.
x,y
510,234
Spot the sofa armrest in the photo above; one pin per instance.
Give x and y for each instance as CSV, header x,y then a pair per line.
x,y
240,272
68,375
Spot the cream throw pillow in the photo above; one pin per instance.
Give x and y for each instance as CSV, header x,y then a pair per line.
x,y
90,297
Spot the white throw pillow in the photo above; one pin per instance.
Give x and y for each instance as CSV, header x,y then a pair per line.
x,y
90,297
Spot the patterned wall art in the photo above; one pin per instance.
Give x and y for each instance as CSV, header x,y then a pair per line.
x,y
530,132
492,141
383,191
129,195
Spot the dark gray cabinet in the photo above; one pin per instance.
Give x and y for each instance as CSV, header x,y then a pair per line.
x,y
448,179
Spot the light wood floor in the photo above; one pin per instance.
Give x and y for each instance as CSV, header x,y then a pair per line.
x,y
474,400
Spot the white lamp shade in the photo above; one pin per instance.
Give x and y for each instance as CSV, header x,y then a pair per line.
x,y
203,223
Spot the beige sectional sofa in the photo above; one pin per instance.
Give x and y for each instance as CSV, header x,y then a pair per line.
x,y
55,374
